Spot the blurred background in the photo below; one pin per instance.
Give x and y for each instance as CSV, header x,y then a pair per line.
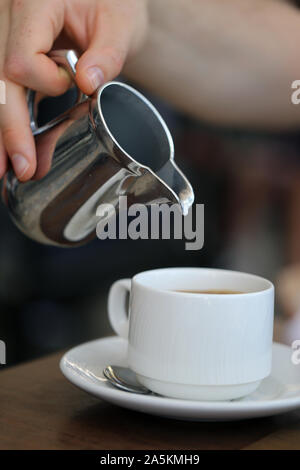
x,y
53,298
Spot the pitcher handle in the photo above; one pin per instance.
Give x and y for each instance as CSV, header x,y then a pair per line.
x,y
67,59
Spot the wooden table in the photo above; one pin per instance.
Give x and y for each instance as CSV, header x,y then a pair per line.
x,y
40,409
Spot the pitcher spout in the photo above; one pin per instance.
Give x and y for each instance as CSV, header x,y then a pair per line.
x,y
178,184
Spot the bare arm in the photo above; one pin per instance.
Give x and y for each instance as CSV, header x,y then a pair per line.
x,y
230,63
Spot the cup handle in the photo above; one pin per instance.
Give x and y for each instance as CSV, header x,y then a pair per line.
x,y
117,314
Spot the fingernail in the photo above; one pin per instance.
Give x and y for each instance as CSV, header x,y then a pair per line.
x,y
95,76
65,74
20,165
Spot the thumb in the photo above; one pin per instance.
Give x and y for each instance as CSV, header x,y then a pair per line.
x,y
106,55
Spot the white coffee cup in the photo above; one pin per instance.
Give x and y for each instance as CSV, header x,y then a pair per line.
x,y
196,346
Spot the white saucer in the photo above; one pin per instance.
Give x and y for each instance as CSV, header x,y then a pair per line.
x,y
83,366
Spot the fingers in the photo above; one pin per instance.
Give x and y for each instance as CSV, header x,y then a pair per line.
x,y
17,137
110,42
34,26
3,158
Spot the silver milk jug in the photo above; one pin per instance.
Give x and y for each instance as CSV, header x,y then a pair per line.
x,y
112,144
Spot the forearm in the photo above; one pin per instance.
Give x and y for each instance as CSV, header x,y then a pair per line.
x,y
230,63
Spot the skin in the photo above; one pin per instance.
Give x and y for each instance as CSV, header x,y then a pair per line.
x,y
106,32
228,63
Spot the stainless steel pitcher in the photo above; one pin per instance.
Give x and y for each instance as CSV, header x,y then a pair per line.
x,y
112,144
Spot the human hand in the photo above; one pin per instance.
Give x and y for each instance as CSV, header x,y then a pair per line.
x,y
106,32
